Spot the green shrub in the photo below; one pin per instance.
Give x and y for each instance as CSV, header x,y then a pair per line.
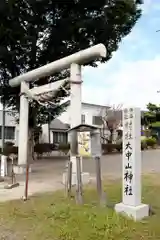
x,y
9,150
151,142
41,148
118,147
64,148
110,147
8,144
154,135
143,138
143,144
107,147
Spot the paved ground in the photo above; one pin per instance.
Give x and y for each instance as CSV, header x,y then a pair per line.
x,y
47,173
112,164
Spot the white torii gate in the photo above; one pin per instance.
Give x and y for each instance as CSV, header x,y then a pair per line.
x,y
73,62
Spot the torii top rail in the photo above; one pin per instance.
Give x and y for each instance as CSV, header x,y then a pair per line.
x,y
80,58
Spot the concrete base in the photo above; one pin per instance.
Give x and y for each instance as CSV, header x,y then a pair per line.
x,y
1,179
10,186
85,178
20,169
3,166
137,213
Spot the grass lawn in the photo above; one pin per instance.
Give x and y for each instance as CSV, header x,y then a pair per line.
x,y
52,217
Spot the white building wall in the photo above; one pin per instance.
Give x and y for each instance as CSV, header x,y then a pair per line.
x,y
45,134
16,136
89,110
64,117
9,122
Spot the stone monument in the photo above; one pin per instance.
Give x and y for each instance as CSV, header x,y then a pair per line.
x,y
131,167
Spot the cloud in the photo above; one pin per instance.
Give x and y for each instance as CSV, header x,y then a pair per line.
x,y
135,83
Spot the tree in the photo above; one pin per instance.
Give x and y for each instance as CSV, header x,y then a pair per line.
x,y
139,1
36,32
152,115
111,119
151,119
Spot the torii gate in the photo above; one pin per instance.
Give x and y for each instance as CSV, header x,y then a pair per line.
x,y
73,62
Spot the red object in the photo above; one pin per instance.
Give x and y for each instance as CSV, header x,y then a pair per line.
x,y
26,183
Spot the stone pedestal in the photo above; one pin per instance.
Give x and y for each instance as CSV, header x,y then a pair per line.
x,y
137,213
85,178
20,169
3,166
85,175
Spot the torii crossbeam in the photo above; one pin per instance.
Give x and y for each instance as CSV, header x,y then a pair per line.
x,y
73,62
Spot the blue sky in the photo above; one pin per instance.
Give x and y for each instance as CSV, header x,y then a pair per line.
x,y
132,76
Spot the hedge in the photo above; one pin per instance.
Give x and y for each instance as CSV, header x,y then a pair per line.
x,y
151,142
39,148
47,148
145,143
109,147
44,148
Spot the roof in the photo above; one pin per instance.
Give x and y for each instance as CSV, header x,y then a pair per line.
x,y
84,128
58,124
91,105
95,105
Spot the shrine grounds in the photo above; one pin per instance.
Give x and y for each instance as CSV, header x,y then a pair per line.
x,y
111,165
50,215
47,173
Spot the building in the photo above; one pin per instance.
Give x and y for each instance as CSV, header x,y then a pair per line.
x,y
56,131
11,128
91,114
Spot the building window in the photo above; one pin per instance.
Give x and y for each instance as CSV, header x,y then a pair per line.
x,y
97,120
83,119
9,133
60,137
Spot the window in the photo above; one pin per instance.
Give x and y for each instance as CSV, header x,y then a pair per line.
x,y
97,120
59,137
83,119
9,133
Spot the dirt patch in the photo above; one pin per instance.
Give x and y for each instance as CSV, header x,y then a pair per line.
x,y
7,234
